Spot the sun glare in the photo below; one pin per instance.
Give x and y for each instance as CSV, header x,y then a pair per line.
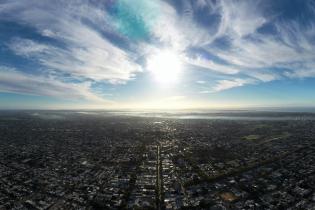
x,y
165,66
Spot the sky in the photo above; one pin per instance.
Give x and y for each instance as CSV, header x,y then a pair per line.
x,y
157,54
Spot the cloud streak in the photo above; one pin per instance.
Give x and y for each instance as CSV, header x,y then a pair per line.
x,y
13,81
285,51
83,51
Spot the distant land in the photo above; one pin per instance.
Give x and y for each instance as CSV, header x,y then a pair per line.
x,y
248,114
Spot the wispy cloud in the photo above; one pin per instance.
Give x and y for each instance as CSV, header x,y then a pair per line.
x,y
83,50
285,51
228,84
27,48
240,18
105,42
13,81
179,31
209,64
201,82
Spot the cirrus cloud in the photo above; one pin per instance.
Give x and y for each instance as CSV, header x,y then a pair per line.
x,y
245,42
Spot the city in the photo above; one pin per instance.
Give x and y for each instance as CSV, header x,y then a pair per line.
x,y
70,160
157,104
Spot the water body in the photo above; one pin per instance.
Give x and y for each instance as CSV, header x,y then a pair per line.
x,y
219,115
201,114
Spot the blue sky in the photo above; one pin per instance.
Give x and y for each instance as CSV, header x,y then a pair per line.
x,y
58,54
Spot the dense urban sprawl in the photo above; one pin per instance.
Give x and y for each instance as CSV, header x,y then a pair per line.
x,y
91,161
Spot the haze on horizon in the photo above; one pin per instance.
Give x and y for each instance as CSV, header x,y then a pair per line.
x,y
161,54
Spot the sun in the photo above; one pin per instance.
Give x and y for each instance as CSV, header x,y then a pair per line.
x,y
165,65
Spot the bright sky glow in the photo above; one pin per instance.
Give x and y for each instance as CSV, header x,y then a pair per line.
x,y
165,66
